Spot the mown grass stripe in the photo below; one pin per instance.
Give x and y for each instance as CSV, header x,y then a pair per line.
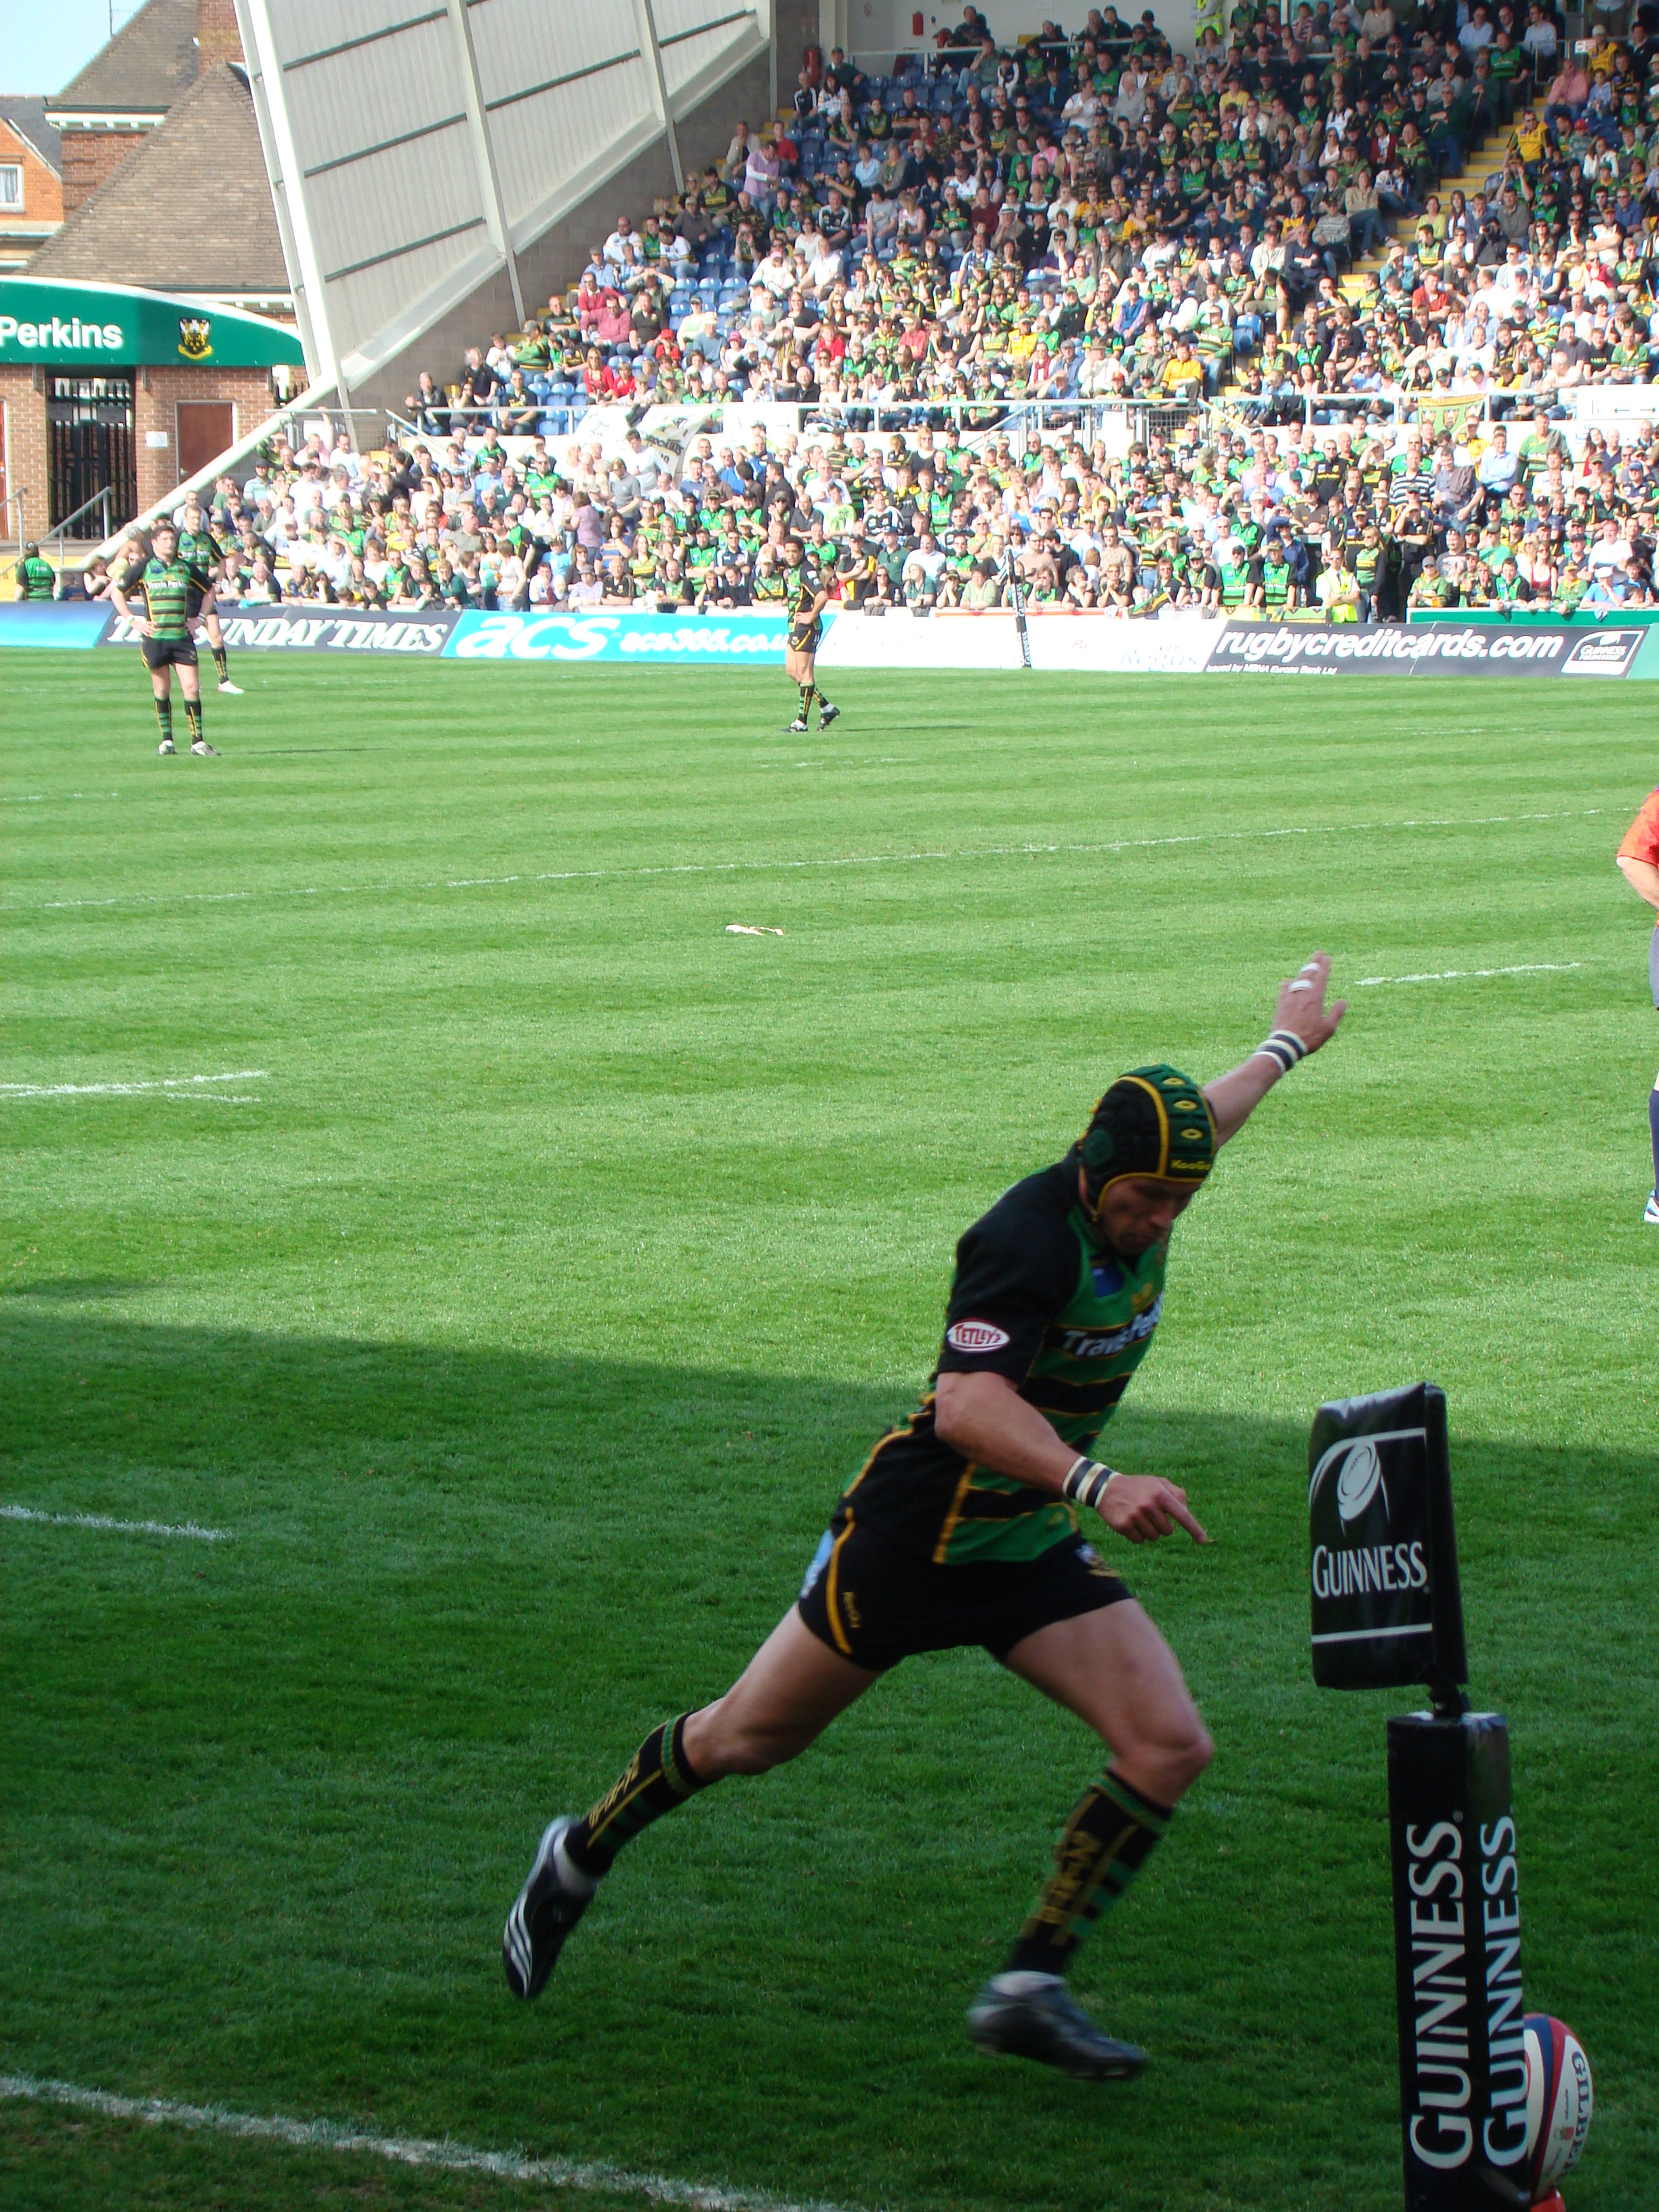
x,y
786,865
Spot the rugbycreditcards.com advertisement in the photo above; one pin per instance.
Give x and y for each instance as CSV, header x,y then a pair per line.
x,y
1440,648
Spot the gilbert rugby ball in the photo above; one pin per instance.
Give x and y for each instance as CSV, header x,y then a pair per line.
x,y
1560,2099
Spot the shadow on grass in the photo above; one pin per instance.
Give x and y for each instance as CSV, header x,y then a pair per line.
x,y
266,1801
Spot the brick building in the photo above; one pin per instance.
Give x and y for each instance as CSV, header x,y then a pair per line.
x,y
31,182
164,194
126,91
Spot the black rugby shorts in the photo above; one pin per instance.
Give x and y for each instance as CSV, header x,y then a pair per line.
x,y
169,651
876,1603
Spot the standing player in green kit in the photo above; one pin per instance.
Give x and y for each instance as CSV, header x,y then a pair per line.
x,y
203,555
164,633
962,1527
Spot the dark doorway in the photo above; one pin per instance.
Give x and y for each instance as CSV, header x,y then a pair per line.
x,y
205,427
89,446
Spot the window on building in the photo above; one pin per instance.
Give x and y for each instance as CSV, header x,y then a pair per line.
x,y
11,185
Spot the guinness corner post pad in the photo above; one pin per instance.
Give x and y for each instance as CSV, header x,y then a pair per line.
x,y
1387,1611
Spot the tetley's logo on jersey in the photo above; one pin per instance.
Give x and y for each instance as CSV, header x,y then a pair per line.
x,y
196,337
1103,1344
975,1336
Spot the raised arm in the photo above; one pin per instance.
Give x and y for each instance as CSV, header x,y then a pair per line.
x,y
1301,1019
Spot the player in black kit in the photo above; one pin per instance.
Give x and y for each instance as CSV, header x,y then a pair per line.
x,y
808,596
962,1527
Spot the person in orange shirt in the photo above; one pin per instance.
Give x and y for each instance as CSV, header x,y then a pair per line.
x,y
1638,861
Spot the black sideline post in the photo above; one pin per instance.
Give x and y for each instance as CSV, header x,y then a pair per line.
x,y
1387,1611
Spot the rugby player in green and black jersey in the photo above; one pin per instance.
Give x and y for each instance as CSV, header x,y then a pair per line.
x,y
807,596
203,555
164,633
962,1527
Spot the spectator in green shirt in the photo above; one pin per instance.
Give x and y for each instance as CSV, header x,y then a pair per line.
x,y
35,579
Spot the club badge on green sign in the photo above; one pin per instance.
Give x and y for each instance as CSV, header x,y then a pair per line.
x,y
53,324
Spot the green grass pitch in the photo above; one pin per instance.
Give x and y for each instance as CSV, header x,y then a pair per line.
x,y
555,1256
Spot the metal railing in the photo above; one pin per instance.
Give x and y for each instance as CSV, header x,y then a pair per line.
x,y
1026,422
15,500
104,500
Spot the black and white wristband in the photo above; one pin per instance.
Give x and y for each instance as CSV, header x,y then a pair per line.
x,y
1086,1481
1285,1047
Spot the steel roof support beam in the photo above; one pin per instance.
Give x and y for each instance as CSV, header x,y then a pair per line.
x,y
287,182
489,182
645,16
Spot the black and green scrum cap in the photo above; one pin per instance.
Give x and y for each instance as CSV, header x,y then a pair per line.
x,y
1152,1121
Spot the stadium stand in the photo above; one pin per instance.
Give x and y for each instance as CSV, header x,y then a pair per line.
x,y
1302,323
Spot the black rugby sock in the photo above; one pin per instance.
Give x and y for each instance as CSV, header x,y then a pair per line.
x,y
221,662
1108,1839
164,717
193,716
656,1780
1653,1123
808,693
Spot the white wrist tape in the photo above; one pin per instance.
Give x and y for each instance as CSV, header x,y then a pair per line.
x,y
1086,1480
1284,1047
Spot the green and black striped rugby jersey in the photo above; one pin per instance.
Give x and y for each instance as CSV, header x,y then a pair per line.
x,y
201,553
1037,1300
165,587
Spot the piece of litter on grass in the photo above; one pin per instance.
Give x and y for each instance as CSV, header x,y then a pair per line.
x,y
748,929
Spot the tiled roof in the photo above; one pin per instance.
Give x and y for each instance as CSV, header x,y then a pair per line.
x,y
149,64
28,119
189,209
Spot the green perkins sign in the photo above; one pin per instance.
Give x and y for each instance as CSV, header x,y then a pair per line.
x,y
69,325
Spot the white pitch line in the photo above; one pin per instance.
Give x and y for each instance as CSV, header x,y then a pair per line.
x,y
121,1528
1470,975
178,1083
788,866
404,2150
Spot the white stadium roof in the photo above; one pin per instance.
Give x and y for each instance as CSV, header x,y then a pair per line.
x,y
416,146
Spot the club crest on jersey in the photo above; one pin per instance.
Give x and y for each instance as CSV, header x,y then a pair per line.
x,y
195,337
975,1336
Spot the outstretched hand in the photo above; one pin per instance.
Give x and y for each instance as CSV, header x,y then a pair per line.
x,y
1144,1507
1302,1008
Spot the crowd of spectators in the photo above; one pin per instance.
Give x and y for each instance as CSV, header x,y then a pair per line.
x,y
1349,524
1078,221
1098,216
